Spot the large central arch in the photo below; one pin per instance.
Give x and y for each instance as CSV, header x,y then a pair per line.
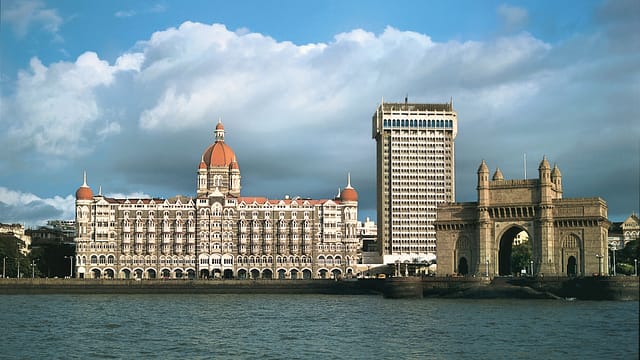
x,y
505,252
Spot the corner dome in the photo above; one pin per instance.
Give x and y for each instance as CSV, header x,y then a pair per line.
x,y
84,192
483,167
349,193
544,164
498,175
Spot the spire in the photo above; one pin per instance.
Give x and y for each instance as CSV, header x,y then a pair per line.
x,y
100,190
483,167
498,175
544,164
348,181
84,180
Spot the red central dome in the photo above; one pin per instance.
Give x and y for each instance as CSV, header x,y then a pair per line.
x,y
218,154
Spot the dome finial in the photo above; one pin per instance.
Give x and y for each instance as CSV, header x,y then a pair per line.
x,y
348,181
220,130
84,179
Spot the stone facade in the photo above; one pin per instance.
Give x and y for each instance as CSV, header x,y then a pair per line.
x,y
567,236
218,233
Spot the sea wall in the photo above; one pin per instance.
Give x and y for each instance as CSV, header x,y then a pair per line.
x,y
586,288
100,286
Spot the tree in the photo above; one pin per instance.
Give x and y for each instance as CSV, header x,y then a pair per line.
x,y
520,257
11,255
626,256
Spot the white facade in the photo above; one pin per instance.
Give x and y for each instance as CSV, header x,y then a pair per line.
x,y
415,172
217,233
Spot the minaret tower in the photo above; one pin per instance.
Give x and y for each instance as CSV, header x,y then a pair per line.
x,y
545,257
84,200
485,231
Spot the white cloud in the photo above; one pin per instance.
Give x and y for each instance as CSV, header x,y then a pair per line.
x,y
304,110
21,207
131,195
23,15
54,108
124,13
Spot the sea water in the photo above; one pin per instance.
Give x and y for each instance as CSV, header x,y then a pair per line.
x,y
312,327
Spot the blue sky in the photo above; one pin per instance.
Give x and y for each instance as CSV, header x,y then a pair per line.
x,y
130,92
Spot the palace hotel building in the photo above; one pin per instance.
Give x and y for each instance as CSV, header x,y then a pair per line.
x,y
218,233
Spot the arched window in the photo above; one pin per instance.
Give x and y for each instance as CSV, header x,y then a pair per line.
x,y
94,259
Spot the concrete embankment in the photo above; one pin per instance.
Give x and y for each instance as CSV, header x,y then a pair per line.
x,y
94,286
587,288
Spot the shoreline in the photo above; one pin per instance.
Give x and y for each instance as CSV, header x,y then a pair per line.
x,y
585,288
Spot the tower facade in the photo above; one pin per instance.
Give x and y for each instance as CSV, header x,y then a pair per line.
x,y
415,157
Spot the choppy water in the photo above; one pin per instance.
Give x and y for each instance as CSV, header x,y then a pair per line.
x,y
312,327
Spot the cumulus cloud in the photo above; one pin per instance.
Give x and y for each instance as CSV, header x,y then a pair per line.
x,y
299,116
54,109
19,207
24,15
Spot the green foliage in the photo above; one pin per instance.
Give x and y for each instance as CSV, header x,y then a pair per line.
x,y
520,257
11,256
625,258
622,268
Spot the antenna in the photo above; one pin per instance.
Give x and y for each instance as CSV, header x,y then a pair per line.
x,y
525,166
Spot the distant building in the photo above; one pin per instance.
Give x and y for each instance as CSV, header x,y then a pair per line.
x,y
368,235
45,235
631,228
18,231
521,237
218,233
620,233
66,227
567,236
415,157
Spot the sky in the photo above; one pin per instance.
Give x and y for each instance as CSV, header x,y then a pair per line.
x,y
131,91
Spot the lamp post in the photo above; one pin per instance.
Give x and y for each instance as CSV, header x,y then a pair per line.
x,y
33,268
531,263
635,266
70,266
599,264
4,267
613,249
18,261
487,263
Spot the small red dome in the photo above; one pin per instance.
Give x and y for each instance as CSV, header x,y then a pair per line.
x,y
349,194
84,193
234,165
202,165
219,126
